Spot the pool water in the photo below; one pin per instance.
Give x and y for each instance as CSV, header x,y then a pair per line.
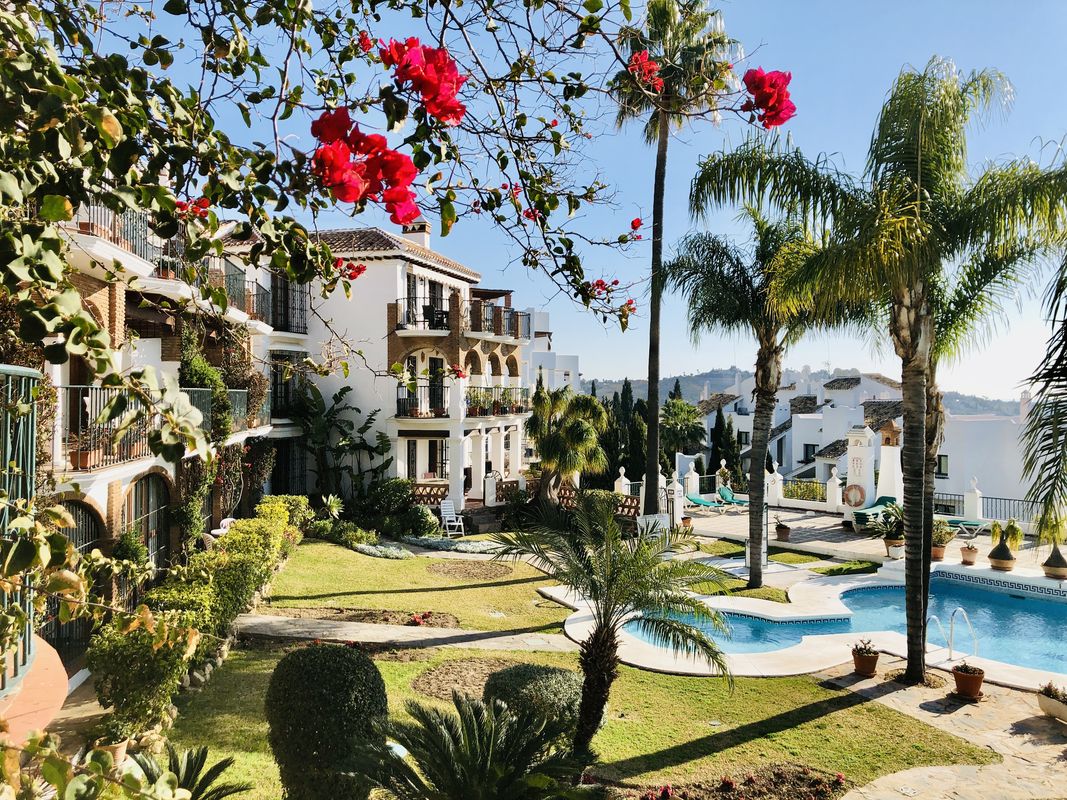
x,y
1025,631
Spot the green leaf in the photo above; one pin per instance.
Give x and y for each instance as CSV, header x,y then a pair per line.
x,y
176,7
592,6
9,187
56,208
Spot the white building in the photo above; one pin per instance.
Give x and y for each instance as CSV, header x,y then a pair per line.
x,y
416,308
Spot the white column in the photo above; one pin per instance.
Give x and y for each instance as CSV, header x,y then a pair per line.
x,y
477,464
774,485
455,475
691,481
833,490
516,451
675,489
641,494
622,483
496,450
457,397
972,501
718,480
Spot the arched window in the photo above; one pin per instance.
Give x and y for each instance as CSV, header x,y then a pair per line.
x,y
70,639
147,511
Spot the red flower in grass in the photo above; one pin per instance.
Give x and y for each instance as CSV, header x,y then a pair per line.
x,y
770,96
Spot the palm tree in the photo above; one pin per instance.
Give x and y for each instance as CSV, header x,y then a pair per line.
x,y
694,55
681,426
482,751
624,580
728,290
189,768
565,428
891,236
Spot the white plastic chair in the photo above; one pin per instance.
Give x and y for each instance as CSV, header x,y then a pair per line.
x,y
452,521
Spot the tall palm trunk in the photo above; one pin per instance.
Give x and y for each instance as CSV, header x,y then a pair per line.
x,y
935,435
768,376
599,662
548,488
655,294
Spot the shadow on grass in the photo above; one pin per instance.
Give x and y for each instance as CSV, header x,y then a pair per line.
x,y
717,743
279,598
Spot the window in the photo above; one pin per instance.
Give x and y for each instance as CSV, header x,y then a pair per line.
x,y
145,512
413,456
283,381
744,438
809,452
941,470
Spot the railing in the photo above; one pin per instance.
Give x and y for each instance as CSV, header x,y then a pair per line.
x,y
484,317
706,484
633,488
496,400
239,408
424,400
422,313
948,504
18,465
201,400
429,494
259,302
88,444
799,489
1007,508
290,304
263,415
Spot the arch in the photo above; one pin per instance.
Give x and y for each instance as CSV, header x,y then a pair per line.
x,y
513,366
422,354
146,507
472,363
88,507
494,365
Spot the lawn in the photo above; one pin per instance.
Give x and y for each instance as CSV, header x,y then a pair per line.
x,y
725,548
736,588
660,727
321,574
849,568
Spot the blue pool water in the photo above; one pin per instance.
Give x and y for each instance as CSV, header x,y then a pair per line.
x,y
1025,631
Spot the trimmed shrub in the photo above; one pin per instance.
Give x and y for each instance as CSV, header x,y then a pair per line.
x,y
235,579
197,599
415,521
321,703
320,528
349,534
132,677
550,692
389,497
298,506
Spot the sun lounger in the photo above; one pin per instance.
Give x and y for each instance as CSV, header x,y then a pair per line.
x,y
726,494
865,516
700,502
968,528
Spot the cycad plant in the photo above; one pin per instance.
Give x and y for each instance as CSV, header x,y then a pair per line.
x,y
483,751
631,579
685,38
193,773
565,428
893,236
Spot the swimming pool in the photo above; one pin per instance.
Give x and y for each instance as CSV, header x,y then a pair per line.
x,y
1025,631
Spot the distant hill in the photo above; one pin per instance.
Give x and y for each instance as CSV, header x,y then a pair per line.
x,y
719,380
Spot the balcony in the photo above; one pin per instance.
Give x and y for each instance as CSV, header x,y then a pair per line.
x,y
423,313
427,400
290,306
496,401
493,320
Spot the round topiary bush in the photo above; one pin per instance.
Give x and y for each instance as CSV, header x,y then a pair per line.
x,y
321,703
551,692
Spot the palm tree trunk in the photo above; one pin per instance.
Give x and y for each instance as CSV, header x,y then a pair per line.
x,y
935,435
599,662
548,488
768,376
655,293
914,463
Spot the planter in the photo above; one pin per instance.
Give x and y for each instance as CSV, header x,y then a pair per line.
x,y
969,555
896,551
1055,566
937,553
118,751
890,544
969,685
687,522
1001,558
1052,707
86,459
781,533
438,412
867,666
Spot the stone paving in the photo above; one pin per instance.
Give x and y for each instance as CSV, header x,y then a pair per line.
x,y
1008,722
274,627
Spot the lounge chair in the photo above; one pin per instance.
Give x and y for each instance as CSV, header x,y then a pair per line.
x,y
700,502
726,494
452,522
865,516
968,528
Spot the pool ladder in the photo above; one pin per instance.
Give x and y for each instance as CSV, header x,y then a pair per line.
x,y
952,629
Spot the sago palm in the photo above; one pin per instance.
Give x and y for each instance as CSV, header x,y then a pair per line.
x,y
483,751
190,768
892,235
694,55
623,579
727,289
565,428
681,426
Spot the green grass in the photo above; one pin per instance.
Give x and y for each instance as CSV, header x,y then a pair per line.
x,y
736,588
848,568
724,548
660,727
323,574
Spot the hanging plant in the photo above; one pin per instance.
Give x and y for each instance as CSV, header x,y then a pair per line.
x,y
258,463
194,487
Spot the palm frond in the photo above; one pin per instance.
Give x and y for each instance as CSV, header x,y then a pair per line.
x,y
680,637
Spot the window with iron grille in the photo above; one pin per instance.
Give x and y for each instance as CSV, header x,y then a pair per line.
x,y
71,638
283,379
147,510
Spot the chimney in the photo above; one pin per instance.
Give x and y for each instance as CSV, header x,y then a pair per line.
x,y
1024,404
418,232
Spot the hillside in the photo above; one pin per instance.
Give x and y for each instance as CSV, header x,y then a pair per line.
x,y
719,380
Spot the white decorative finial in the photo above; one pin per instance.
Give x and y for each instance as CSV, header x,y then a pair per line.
x,y
722,463
774,466
833,473
974,484
622,472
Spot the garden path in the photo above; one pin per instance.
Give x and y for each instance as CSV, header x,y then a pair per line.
x,y
276,627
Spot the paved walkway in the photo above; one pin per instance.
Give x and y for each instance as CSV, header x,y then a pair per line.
x,y
273,627
1008,722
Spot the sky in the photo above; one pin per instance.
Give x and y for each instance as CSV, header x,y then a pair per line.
x,y
844,56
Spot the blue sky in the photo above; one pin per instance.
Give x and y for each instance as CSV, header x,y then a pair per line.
x,y
844,56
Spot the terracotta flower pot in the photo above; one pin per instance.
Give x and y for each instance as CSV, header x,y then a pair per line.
x,y
937,553
687,522
867,666
969,555
968,685
781,533
118,751
891,543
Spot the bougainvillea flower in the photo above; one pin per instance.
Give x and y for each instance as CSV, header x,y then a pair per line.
x,y
770,96
331,125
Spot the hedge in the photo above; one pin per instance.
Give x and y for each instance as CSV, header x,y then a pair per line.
x,y
553,693
321,704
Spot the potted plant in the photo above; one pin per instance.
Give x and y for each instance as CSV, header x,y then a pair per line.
x,y
942,535
781,530
86,447
113,736
1053,701
890,527
865,658
1001,557
968,680
687,522
472,403
969,554
439,411
1055,566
